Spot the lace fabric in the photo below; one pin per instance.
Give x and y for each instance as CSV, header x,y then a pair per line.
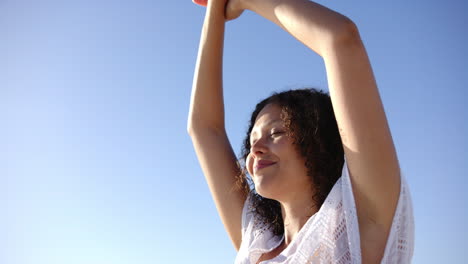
x,y
332,234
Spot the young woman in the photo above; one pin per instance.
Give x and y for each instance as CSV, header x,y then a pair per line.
x,y
326,180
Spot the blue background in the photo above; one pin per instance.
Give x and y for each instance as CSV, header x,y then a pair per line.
x,y
95,162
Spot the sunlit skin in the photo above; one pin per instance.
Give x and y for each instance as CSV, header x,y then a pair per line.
x,y
370,154
278,171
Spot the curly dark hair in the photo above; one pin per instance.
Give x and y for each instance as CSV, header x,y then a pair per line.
x,y
309,118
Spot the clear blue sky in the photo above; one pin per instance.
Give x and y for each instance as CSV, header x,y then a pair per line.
x,y
96,166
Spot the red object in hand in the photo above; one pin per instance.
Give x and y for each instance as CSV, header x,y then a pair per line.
x,y
200,2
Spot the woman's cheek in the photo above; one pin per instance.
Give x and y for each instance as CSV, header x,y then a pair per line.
x,y
250,162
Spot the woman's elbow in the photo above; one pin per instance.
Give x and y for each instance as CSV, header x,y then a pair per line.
x,y
191,128
346,32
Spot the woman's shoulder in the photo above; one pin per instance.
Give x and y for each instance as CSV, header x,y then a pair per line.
x,y
334,232
400,242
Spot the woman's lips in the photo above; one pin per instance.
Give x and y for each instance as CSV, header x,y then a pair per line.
x,y
263,164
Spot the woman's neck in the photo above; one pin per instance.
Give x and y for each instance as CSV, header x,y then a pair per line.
x,y
295,213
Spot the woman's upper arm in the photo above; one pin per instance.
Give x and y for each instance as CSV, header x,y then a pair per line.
x,y
222,173
366,137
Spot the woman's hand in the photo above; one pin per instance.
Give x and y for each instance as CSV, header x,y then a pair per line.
x,y
234,9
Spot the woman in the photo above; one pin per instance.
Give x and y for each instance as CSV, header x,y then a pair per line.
x,y
309,204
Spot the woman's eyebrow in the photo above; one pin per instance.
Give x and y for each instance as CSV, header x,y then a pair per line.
x,y
267,124
272,122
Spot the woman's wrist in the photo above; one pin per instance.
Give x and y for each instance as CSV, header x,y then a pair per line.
x,y
214,12
216,7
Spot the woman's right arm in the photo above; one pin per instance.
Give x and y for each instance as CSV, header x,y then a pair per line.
x,y
206,124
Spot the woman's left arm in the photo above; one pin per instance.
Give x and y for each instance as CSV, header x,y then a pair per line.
x,y
367,142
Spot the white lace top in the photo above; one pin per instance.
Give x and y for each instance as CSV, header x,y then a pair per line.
x,y
332,234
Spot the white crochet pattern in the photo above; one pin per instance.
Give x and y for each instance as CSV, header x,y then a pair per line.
x,y
332,234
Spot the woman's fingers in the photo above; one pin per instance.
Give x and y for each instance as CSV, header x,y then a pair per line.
x,y
233,8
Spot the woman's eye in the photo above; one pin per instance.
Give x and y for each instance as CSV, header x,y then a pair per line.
x,y
276,133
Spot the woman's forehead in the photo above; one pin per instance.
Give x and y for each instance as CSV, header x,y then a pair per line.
x,y
268,113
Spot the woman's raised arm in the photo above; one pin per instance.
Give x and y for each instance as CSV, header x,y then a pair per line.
x,y
206,124
368,145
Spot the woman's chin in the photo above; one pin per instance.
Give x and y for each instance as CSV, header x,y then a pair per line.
x,y
264,187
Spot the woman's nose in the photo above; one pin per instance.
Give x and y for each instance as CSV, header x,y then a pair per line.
x,y
259,147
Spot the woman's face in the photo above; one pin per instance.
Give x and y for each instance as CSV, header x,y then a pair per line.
x,y
274,163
